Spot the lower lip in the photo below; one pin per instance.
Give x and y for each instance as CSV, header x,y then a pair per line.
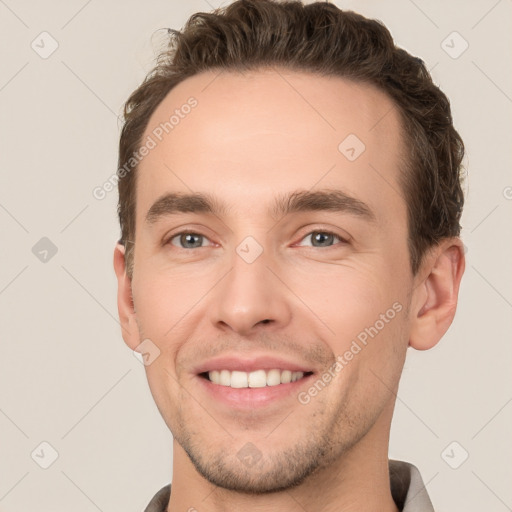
x,y
244,398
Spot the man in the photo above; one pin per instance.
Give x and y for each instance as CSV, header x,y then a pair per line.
x,y
289,199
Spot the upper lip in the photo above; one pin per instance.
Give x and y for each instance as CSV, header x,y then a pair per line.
x,y
250,364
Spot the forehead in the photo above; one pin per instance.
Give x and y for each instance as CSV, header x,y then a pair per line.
x,y
244,136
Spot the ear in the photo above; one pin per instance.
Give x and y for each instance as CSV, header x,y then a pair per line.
x,y
436,293
125,306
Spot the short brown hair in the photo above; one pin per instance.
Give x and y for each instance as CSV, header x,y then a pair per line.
x,y
318,38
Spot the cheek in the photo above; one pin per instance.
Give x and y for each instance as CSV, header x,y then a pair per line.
x,y
365,312
158,310
163,300
346,298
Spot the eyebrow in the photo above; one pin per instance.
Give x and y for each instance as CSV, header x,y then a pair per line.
x,y
293,202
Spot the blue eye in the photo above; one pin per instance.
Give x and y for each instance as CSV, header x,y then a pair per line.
x,y
322,238
191,240
188,240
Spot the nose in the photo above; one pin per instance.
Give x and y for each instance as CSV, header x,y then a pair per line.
x,y
250,296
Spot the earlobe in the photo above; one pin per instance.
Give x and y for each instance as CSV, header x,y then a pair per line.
x,y
435,296
125,305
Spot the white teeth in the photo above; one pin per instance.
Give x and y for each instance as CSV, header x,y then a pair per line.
x,y
286,377
239,380
225,378
273,377
255,379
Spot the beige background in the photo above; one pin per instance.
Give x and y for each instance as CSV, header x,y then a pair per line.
x,y
66,377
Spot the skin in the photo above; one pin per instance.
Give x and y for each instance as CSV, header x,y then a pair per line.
x,y
250,138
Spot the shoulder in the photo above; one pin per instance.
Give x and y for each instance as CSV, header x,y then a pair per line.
x,y
160,500
407,487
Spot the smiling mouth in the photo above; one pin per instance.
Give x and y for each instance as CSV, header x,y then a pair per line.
x,y
255,379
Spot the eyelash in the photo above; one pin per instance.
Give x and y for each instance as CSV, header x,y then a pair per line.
x,y
324,232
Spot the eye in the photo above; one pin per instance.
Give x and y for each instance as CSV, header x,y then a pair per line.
x,y
322,239
191,240
188,240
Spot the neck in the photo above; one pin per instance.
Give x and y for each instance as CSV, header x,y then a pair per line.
x,y
358,481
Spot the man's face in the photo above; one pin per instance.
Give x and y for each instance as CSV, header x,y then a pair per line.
x,y
252,287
